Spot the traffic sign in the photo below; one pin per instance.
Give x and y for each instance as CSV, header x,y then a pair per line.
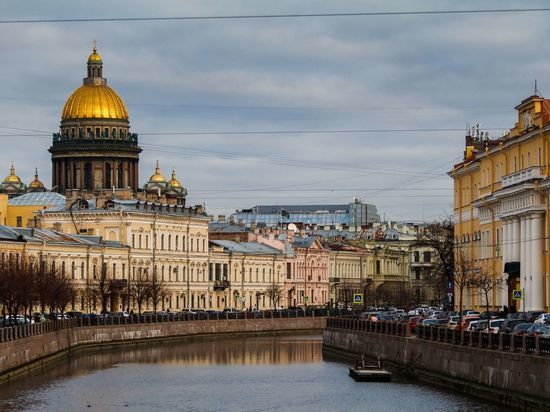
x,y
450,295
357,298
516,294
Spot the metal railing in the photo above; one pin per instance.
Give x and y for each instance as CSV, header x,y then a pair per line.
x,y
386,328
502,342
10,333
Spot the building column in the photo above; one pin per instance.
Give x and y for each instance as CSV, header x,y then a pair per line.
x,y
504,249
515,245
528,262
523,263
537,277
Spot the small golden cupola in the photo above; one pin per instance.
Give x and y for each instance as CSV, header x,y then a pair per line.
x,y
12,177
36,185
174,182
12,184
157,177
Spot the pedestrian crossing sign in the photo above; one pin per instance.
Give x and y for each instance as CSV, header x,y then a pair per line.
x,y
517,294
357,298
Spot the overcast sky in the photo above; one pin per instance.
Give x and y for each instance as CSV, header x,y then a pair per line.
x,y
315,74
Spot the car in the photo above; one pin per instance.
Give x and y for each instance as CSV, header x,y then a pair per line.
x,y
532,315
430,322
453,322
522,328
470,312
542,319
467,319
494,326
545,332
74,314
508,325
122,314
535,329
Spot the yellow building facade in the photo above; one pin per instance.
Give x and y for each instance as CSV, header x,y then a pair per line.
x,y
501,209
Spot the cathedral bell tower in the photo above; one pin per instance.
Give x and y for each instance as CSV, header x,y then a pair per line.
x,y
94,149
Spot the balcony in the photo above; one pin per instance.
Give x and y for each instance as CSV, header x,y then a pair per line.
x,y
524,175
221,284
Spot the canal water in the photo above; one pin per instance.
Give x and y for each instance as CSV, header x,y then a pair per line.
x,y
283,373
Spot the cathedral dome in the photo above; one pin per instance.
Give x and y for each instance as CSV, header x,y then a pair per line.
x,y
174,182
12,177
36,184
94,102
94,99
157,177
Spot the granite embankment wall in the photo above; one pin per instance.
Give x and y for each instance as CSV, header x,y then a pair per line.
x,y
517,380
20,355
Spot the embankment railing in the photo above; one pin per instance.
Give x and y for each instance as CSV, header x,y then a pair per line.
x,y
503,342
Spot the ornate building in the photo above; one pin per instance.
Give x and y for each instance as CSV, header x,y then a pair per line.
x,y
94,149
12,184
501,209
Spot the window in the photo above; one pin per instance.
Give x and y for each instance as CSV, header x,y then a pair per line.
x,y
427,256
133,240
288,270
417,256
73,270
417,274
377,267
82,270
19,221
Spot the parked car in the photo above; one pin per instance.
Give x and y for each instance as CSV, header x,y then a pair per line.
x,y
535,329
509,324
545,332
522,328
466,320
494,326
74,315
542,318
470,312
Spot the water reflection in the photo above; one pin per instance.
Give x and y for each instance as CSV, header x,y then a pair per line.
x,y
245,374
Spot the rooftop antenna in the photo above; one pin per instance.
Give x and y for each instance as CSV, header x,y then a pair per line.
x,y
537,92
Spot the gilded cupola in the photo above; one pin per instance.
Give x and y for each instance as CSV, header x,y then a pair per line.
x,y
12,177
174,182
157,177
36,185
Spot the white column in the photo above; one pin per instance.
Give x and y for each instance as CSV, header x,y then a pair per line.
x,y
537,277
504,250
515,240
528,260
523,263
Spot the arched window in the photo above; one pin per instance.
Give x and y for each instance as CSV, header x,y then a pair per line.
x,y
169,242
73,270
177,246
82,270
162,241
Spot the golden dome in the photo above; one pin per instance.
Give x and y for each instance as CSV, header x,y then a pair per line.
x,y
94,102
174,182
12,177
36,184
157,177
94,57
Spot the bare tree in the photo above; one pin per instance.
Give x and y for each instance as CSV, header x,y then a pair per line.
x,y
465,273
140,289
102,287
89,293
274,292
157,291
486,283
439,236
64,292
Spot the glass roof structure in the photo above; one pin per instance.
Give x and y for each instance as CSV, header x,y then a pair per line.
x,y
38,198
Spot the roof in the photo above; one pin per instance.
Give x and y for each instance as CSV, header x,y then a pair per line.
x,y
305,242
299,208
251,248
38,198
226,227
51,236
